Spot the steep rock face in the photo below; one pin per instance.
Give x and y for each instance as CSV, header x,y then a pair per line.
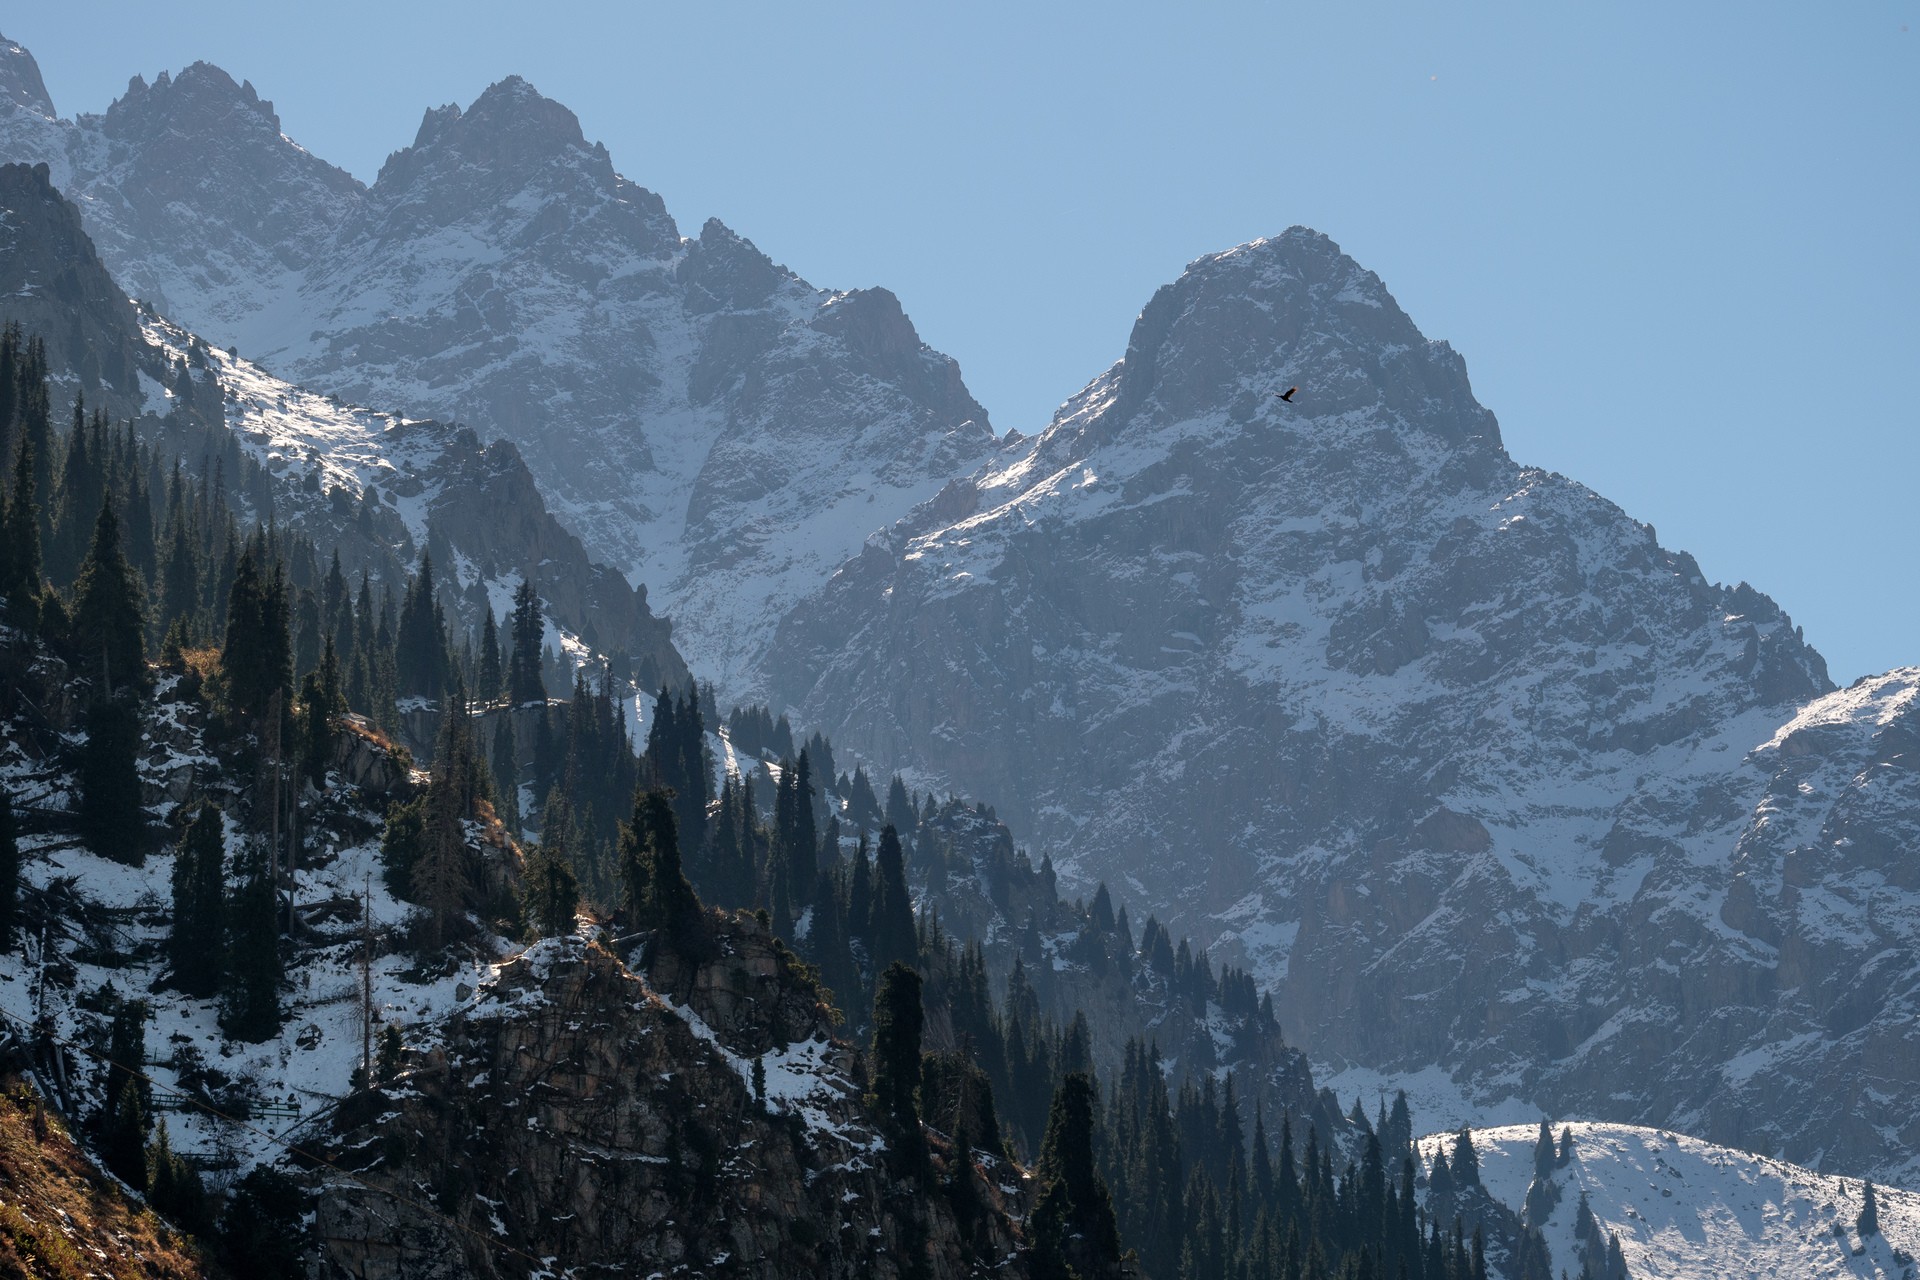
x,y
575,1113
376,488
53,285
1448,748
705,420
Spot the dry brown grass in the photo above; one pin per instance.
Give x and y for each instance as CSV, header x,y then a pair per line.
x,y
202,662
61,1218
365,729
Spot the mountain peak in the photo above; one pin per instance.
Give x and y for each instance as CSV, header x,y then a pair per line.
x,y
20,82
1287,309
514,102
202,99
510,134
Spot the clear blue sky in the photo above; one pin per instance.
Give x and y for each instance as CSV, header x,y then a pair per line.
x,y
1678,245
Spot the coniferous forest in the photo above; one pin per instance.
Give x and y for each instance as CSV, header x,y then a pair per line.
x,y
144,582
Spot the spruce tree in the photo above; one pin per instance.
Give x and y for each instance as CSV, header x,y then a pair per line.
x,y
1074,1230
111,820
199,904
9,874
524,683
440,880
252,1004
506,775
900,812
124,1137
257,655
552,892
489,681
898,1020
109,623
892,933
1868,1223
422,663
804,856
20,538
1466,1162
656,892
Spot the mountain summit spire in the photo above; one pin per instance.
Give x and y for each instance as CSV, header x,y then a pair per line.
x,y
20,82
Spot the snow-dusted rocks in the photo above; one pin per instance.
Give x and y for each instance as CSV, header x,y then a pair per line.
x,y
702,418
1449,749
1688,1210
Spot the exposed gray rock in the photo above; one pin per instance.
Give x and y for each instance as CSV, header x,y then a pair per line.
x,y
1449,749
710,424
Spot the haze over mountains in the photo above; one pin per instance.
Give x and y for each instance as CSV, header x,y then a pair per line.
x,y
1413,728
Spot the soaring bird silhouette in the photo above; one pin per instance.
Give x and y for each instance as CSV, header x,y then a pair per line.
x,y
1287,395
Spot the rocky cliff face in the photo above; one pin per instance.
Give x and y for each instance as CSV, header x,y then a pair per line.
x,y
574,1081
1450,749
378,488
707,421
1464,762
53,285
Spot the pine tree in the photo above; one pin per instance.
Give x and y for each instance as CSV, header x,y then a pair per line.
x,y
657,894
9,874
109,625
506,775
892,932
524,683
199,904
1868,1223
898,1019
1073,1221
20,537
489,681
1466,1162
440,880
422,663
252,1007
552,892
111,819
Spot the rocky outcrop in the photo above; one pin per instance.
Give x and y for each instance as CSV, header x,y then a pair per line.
x,y
53,286
709,423
375,488
1454,753
584,1114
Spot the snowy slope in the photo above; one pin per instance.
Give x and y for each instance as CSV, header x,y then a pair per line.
x,y
1486,781
1689,1210
106,936
716,427
381,488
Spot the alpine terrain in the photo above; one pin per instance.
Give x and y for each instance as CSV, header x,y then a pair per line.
x,y
721,430
1029,841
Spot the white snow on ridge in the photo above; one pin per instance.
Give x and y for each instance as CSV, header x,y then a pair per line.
x,y
1689,1210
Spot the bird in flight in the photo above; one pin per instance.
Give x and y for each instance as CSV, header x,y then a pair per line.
x,y
1287,395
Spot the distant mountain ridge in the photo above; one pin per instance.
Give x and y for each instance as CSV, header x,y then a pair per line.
x,y
721,430
376,488
1337,685
1450,750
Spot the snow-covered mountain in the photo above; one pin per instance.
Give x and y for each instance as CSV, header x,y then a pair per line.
x,y
715,426
1450,749
375,487
1483,779
1689,1210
